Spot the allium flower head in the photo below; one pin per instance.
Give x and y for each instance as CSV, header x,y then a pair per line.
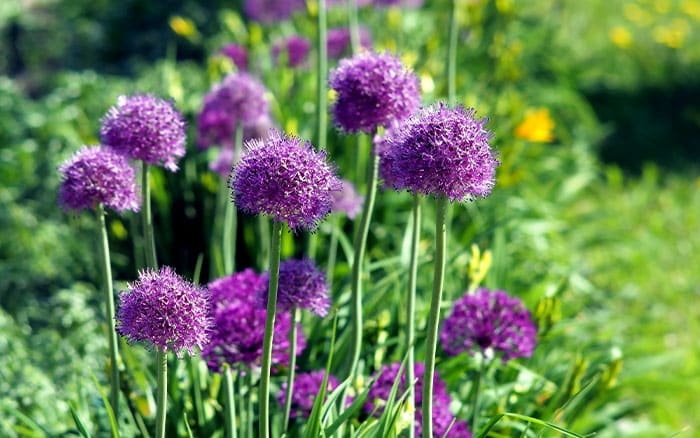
x,y
98,175
338,40
272,11
373,90
306,387
239,324
440,151
296,48
285,178
238,99
302,285
236,53
347,200
489,321
163,309
442,417
145,127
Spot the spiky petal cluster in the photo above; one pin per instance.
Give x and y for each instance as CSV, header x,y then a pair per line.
x,y
285,178
296,48
440,151
373,90
98,175
145,127
306,387
347,200
236,53
165,310
238,99
489,321
239,324
442,417
272,11
338,41
302,285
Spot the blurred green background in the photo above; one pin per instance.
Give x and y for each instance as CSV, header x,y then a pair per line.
x,y
595,107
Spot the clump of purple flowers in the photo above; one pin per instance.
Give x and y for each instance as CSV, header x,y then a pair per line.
x,y
239,99
347,200
239,324
145,127
442,417
163,309
95,175
338,41
490,322
236,53
440,151
301,285
296,48
306,387
373,90
284,177
271,11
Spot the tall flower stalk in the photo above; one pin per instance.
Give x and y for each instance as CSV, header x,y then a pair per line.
x,y
322,76
411,309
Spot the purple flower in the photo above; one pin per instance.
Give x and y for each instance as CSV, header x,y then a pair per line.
x,y
338,41
347,200
238,99
373,90
306,387
489,321
239,324
98,175
400,3
145,127
285,178
272,11
296,47
440,151
302,285
163,309
381,389
236,53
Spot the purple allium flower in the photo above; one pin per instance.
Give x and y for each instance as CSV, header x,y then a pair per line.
x,y
338,41
347,200
302,285
165,310
272,11
306,387
380,391
238,98
400,3
236,53
285,178
373,90
145,127
440,151
239,324
489,321
98,175
296,47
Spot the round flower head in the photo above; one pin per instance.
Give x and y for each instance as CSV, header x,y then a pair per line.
x,y
238,99
296,48
440,151
272,11
373,89
98,175
306,386
144,127
163,309
239,324
347,200
236,53
338,41
489,321
301,284
285,178
442,417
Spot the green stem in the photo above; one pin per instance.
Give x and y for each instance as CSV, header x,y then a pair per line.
x,y
452,56
264,413
354,26
150,244
197,390
434,316
230,403
332,249
322,76
477,393
162,398
109,306
411,309
231,217
292,366
249,399
264,234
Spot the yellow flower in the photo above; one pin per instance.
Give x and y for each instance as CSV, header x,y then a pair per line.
x,y
621,37
691,8
184,27
672,36
537,126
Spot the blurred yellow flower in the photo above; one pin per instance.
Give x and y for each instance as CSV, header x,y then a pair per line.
x,y
537,126
427,85
184,27
691,8
672,35
662,6
621,37
636,14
